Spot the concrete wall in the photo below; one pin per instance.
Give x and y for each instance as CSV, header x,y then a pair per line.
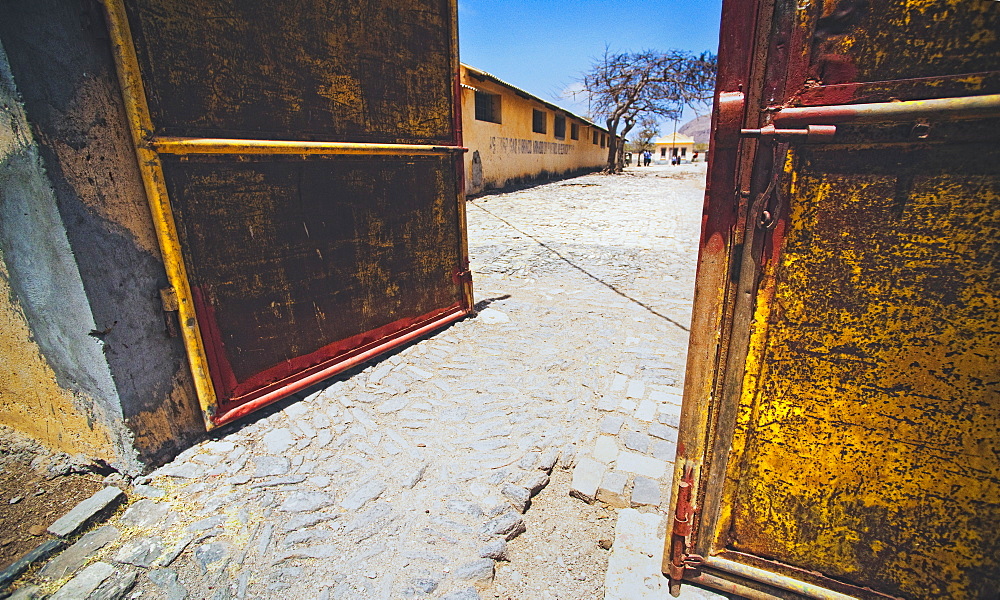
x,y
90,363
510,152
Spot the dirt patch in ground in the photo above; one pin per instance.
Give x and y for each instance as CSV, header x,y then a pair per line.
x,y
688,175
559,556
36,488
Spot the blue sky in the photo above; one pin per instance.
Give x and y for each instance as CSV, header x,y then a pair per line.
x,y
542,46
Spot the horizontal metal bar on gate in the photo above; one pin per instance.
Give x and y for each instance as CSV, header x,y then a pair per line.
x,y
773,579
879,112
184,145
724,585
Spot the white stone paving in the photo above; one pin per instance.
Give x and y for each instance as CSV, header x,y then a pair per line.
x,y
635,563
389,481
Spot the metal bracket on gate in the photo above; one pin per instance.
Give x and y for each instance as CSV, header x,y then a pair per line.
x,y
459,276
730,116
681,528
812,133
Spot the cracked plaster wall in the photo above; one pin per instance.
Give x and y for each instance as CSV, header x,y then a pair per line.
x,y
90,366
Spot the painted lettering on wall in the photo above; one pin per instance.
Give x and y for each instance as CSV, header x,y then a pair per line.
x,y
504,145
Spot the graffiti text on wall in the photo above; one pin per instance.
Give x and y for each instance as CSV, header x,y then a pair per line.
x,y
505,145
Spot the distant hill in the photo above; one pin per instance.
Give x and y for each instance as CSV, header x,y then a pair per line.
x,y
700,129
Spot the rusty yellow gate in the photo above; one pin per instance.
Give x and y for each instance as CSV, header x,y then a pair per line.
x,y
839,436
303,164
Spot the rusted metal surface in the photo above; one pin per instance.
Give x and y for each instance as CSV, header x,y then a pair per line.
x,y
291,259
310,167
719,241
316,70
873,40
740,589
809,133
843,400
966,107
682,526
898,90
790,584
876,404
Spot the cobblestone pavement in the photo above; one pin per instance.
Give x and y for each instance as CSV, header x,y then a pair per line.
x,y
406,479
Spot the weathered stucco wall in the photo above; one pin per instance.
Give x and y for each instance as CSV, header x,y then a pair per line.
x,y
509,151
38,277
31,399
106,339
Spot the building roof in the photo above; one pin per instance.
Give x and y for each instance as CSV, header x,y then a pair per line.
x,y
484,76
674,139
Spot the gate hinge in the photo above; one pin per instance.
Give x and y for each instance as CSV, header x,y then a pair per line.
x,y
730,116
170,304
461,276
811,133
168,298
681,529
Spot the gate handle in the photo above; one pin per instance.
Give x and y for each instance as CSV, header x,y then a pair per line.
x,y
812,133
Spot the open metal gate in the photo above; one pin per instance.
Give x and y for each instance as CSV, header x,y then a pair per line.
x,y
303,166
839,436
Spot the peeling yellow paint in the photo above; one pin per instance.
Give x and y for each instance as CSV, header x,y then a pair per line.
x,y
31,400
172,421
870,410
942,37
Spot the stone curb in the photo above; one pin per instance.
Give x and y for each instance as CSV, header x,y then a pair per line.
x,y
635,565
90,509
85,512
38,554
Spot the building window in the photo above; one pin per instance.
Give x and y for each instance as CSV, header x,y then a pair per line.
x,y
559,130
596,135
487,107
538,118
574,131
604,141
663,152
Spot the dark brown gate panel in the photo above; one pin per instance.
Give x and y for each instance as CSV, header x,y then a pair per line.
x,y
294,263
304,162
318,70
842,404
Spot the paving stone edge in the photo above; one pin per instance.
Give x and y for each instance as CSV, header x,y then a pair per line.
x,y
49,547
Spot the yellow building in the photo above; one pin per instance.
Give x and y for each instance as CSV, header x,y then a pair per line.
x,y
513,136
675,144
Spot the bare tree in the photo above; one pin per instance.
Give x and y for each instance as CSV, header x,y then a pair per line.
x,y
625,85
643,138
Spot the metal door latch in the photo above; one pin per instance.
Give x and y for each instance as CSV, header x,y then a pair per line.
x,y
693,561
811,133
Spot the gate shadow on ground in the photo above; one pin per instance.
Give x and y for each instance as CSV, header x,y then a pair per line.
x,y
487,301
580,269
